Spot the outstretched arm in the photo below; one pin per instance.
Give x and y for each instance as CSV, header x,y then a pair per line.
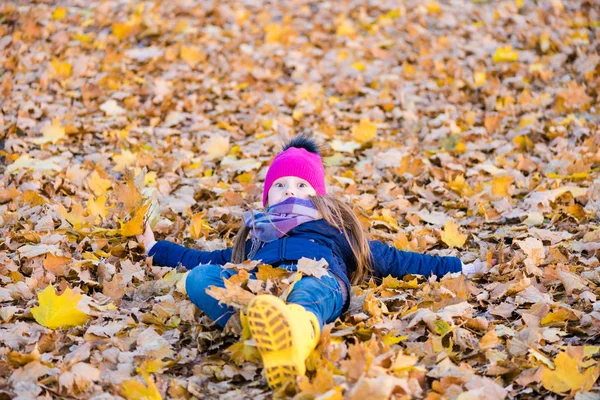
x,y
388,260
170,254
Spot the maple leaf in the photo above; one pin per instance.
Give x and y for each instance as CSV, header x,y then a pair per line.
x,y
232,294
133,389
451,236
61,69
111,107
58,311
480,78
129,192
59,13
321,383
313,267
242,352
191,55
505,54
502,185
98,207
124,160
199,227
534,249
364,131
567,376
58,265
135,226
79,377
51,133
266,272
345,28
123,30
98,185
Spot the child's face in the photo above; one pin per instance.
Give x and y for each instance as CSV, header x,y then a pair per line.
x,y
289,186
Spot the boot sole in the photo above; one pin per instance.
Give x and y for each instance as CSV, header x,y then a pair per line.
x,y
273,335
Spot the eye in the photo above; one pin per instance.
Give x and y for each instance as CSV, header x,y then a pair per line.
x,y
279,184
302,185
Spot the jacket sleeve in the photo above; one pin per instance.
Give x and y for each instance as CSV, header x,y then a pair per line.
x,y
388,260
170,254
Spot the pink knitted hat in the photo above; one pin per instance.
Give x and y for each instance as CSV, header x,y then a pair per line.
x,y
300,158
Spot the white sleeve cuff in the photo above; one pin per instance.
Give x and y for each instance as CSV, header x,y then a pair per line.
x,y
469,269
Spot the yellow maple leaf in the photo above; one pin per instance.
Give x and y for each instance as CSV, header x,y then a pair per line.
x,y
51,133
59,13
124,160
135,390
191,55
123,30
98,185
523,143
62,69
433,7
128,192
273,33
501,185
135,226
364,131
359,66
97,207
245,177
505,54
198,226
527,120
241,352
266,272
566,377
460,185
561,315
451,236
58,311
480,78
345,28
75,216
83,38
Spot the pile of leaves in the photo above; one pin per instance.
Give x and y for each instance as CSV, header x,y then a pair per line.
x,y
466,128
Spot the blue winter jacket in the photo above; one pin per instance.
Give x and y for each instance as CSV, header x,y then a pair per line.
x,y
316,240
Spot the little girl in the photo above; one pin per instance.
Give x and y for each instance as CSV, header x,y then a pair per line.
x,y
300,221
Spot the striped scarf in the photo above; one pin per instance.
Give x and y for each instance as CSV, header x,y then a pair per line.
x,y
280,219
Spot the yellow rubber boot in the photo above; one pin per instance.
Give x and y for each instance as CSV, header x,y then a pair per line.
x,y
285,334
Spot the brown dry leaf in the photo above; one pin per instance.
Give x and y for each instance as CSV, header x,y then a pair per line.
x,y
79,377
232,295
115,289
58,265
534,249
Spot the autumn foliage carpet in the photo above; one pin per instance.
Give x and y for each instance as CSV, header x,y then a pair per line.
x,y
465,128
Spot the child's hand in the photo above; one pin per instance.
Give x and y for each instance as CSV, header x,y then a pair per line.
x,y
477,267
147,239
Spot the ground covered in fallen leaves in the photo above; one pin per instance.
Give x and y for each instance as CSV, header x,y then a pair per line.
x,y
467,128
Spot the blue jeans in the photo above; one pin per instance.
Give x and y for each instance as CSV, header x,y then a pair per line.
x,y
322,296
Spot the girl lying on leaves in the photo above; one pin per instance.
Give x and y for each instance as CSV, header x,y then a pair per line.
x,y
301,221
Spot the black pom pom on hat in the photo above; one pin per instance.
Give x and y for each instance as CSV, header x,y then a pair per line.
x,y
303,142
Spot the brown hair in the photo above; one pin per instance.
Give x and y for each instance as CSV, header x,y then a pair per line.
x,y
339,215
